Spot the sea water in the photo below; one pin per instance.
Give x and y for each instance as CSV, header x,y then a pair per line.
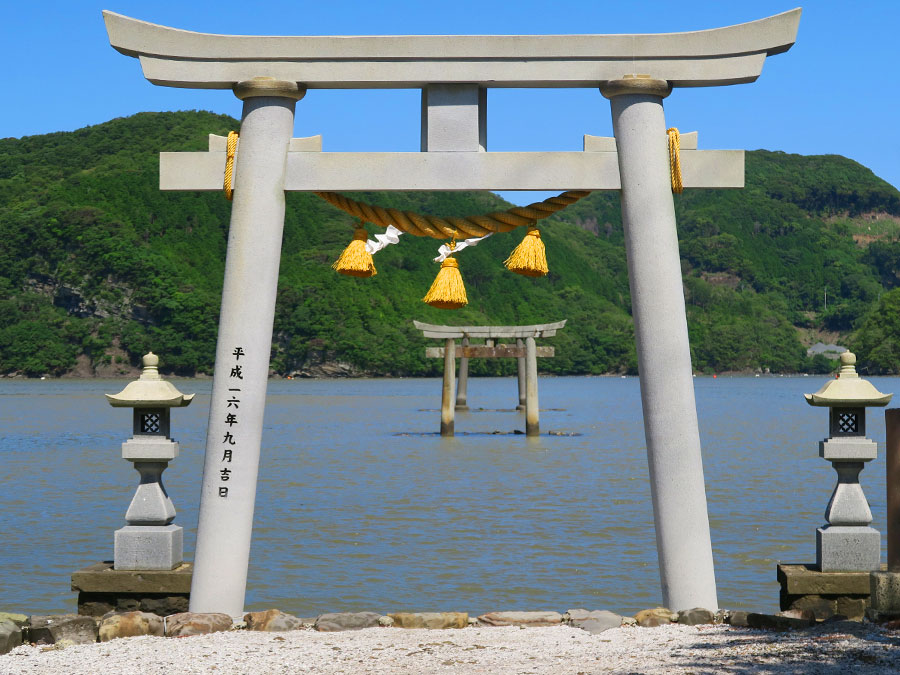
x,y
361,505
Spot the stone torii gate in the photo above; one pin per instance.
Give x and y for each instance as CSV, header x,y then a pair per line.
x,y
525,352
270,74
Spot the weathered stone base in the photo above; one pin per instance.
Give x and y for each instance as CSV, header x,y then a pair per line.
x,y
102,589
826,594
848,549
149,547
885,598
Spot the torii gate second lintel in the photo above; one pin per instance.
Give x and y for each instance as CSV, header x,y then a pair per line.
x,y
454,72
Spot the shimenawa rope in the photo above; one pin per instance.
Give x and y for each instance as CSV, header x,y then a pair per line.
x,y
444,228
229,163
675,160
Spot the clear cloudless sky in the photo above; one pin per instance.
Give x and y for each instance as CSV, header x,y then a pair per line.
x,y
836,91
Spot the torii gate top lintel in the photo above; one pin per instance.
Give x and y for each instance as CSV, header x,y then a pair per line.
x,y
180,58
490,332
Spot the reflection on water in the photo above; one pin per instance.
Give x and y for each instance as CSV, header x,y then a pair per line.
x,y
361,505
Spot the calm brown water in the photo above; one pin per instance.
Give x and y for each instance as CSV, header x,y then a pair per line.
x,y
362,506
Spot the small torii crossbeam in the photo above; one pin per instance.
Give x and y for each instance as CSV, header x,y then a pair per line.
x,y
454,72
525,352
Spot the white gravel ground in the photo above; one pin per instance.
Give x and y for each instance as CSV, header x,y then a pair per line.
x,y
827,649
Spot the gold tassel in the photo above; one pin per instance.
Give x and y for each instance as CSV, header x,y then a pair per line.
x,y
530,256
447,291
356,261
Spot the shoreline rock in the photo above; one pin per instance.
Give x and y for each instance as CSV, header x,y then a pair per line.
x,y
69,629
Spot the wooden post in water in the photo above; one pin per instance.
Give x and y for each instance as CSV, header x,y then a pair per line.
x,y
447,407
463,382
520,364
892,459
532,424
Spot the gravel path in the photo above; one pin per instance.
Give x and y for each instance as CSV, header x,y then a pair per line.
x,y
828,649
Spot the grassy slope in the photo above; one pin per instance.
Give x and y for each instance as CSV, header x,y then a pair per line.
x,y
96,261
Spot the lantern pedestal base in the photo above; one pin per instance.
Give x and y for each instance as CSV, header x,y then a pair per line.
x,y
848,549
825,594
102,589
149,547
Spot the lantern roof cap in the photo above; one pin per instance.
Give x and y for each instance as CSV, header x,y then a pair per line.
x,y
849,389
149,390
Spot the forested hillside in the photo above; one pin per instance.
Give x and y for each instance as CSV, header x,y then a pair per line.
x,y
97,266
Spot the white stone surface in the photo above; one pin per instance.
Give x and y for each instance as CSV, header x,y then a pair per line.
x,y
664,360
687,141
151,504
848,505
306,144
148,547
180,58
149,448
556,650
846,448
454,118
338,171
248,306
848,549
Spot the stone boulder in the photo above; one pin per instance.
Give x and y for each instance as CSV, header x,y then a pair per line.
x,y
195,623
780,621
520,619
432,620
574,615
130,624
737,618
696,616
272,620
593,622
10,636
49,630
19,619
338,621
658,616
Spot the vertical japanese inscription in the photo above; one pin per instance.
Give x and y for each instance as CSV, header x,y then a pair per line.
x,y
232,406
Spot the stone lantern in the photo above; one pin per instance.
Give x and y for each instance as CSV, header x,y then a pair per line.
x,y
847,543
149,541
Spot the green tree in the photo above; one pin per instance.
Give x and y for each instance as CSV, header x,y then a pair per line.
x,y
876,343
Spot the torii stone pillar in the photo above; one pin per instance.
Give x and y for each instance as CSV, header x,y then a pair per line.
x,y
664,354
242,353
454,72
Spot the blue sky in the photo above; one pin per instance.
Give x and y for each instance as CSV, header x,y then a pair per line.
x,y
835,91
